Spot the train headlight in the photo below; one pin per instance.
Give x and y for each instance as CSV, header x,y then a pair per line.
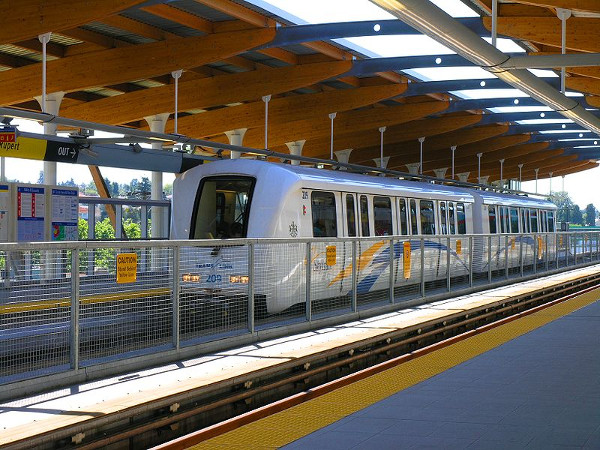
x,y
190,277
243,279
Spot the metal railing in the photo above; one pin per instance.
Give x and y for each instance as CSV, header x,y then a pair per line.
x,y
182,294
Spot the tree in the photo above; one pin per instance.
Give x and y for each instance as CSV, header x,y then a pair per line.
x,y
590,215
576,217
565,206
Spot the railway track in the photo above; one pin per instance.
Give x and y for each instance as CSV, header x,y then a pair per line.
x,y
152,424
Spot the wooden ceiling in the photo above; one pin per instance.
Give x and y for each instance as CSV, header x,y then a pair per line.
x,y
114,58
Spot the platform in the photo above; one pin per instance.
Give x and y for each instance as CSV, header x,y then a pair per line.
x,y
66,412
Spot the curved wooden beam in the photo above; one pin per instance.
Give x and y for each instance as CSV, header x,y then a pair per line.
x,y
398,133
347,122
578,5
203,93
25,19
435,145
583,34
283,110
120,65
576,167
584,84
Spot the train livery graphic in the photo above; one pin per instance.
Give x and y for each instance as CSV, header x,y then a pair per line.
x,y
256,199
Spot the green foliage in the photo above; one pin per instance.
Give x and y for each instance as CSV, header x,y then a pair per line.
x,y
590,215
567,210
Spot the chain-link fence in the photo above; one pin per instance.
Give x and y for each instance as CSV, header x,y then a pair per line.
x,y
145,297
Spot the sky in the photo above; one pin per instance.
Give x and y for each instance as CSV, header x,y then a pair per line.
x,y
318,11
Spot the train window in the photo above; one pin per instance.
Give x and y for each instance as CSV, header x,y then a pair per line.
x,y
492,219
542,221
350,215
534,221
364,216
403,222
427,217
461,220
222,207
527,219
551,221
413,217
382,207
451,220
444,229
514,220
502,210
323,214
525,222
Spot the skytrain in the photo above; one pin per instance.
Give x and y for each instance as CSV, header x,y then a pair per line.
x,y
242,198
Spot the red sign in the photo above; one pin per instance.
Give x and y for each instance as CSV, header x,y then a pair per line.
x,y
8,136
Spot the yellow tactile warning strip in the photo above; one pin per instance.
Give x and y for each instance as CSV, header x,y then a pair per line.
x,y
287,426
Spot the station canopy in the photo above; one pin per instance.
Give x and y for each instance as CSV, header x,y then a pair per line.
x,y
474,85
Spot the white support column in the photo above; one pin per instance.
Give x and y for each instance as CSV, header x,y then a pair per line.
x,y
479,155
440,173
176,74
381,131
501,167
236,137
413,168
343,156
520,166
2,169
295,148
563,183
550,173
331,117
494,22
484,180
266,99
463,176
421,140
53,102
563,15
453,148
157,124
536,179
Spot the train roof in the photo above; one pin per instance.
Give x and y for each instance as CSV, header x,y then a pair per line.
x,y
336,180
514,200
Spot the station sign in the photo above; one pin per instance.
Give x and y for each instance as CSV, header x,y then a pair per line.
x,y
8,134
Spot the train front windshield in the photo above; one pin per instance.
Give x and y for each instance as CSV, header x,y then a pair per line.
x,y
222,207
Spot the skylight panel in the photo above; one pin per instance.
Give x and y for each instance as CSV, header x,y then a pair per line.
x,y
450,73
489,93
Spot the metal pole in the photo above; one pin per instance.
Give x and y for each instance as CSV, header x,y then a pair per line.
x,y
448,287
506,256
479,155
563,183
494,21
421,140
74,341
392,271
331,117
422,267
44,39
176,74
251,287
563,15
520,166
489,259
550,173
308,278
470,261
536,179
266,99
521,254
535,252
453,148
501,177
354,276
381,130
175,297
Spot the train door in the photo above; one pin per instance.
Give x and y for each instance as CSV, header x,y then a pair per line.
x,y
451,218
365,223
402,221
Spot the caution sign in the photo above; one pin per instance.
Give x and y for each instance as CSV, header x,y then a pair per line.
x,y
513,243
126,267
406,259
458,247
540,248
331,253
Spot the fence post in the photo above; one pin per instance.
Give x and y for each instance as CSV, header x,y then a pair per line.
x,y
74,332
354,276
392,271
308,280
574,249
175,298
470,261
490,259
506,256
251,287
422,267
535,252
448,285
521,254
